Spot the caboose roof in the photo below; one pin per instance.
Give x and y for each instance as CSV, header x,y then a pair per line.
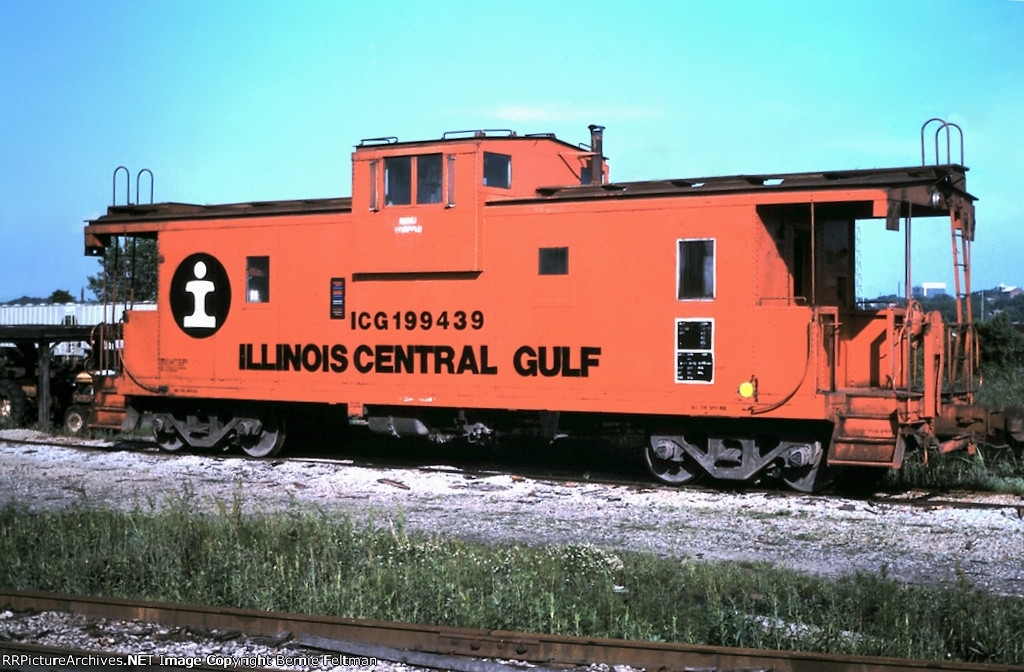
x,y
883,178
173,211
459,137
887,178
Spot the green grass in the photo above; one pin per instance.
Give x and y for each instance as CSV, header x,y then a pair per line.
x,y
310,562
995,468
989,470
1002,388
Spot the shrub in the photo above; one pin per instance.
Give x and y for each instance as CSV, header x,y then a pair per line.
x,y
1000,345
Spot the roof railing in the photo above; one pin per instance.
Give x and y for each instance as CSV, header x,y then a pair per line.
x,y
384,140
943,125
479,133
128,185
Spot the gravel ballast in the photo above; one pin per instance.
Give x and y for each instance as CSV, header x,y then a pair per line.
x,y
829,536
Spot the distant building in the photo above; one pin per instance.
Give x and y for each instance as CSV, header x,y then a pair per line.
x,y
1009,291
928,290
66,313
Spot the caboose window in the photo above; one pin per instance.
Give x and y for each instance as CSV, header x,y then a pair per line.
x,y
398,180
696,270
257,284
401,172
554,261
428,178
497,170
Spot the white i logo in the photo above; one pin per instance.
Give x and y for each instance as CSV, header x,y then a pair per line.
x,y
200,295
199,288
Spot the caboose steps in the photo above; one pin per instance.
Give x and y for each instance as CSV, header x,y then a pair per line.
x,y
109,407
877,393
866,427
865,450
864,440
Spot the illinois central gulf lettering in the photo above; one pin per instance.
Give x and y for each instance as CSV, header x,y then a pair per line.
x,y
292,357
423,359
550,361
366,358
528,361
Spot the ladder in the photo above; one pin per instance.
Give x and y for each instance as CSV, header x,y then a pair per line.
x,y
962,344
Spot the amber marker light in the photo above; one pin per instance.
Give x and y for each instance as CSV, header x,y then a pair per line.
x,y
747,389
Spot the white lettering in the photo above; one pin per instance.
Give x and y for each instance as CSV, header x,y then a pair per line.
x,y
199,288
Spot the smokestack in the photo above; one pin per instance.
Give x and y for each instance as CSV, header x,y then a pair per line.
x,y
597,146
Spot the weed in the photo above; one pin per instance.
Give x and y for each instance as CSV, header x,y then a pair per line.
x,y
988,470
308,561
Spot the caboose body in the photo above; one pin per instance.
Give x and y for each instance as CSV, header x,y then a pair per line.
x,y
487,283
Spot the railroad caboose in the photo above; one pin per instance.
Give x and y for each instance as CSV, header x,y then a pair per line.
x,y
488,282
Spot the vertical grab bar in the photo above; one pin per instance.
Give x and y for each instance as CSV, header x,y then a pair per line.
x,y
138,191
127,185
943,125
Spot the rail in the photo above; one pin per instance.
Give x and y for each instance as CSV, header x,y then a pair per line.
x,y
340,634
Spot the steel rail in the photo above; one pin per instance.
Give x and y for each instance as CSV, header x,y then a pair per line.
x,y
333,633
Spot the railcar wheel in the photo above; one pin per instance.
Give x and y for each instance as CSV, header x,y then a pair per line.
x,y
166,435
669,463
12,403
75,419
263,437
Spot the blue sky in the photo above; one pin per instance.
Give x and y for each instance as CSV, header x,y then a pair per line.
x,y
240,101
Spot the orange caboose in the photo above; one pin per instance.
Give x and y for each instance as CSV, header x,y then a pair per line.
x,y
488,282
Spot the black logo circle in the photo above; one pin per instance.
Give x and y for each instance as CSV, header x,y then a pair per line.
x,y
200,295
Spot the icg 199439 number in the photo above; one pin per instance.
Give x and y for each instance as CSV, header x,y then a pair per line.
x,y
410,320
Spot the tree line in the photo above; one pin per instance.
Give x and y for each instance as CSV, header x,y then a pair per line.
x,y
128,272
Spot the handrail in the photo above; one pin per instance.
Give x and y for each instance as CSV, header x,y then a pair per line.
x,y
127,184
943,125
138,191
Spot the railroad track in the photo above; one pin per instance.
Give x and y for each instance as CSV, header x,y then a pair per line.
x,y
924,499
953,500
445,648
